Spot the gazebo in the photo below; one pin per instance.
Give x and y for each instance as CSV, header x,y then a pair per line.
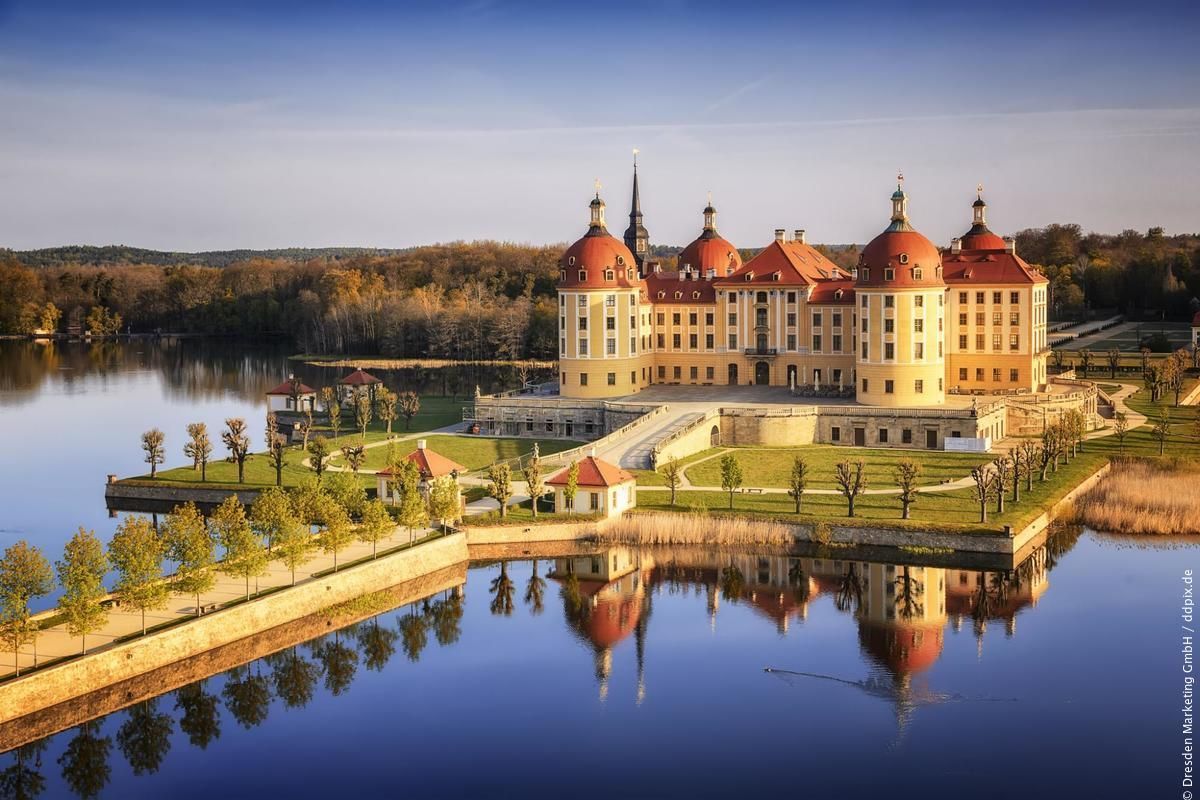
x,y
1196,330
292,395
602,488
430,464
356,381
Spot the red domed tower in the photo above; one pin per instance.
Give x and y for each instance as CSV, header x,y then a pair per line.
x,y
979,237
709,251
599,323
901,299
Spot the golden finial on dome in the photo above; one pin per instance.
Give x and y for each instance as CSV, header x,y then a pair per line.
x,y
597,185
635,155
899,178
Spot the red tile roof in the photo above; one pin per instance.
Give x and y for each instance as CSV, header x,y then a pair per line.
x,y
988,266
1196,320
903,251
796,263
827,293
285,389
710,252
592,255
359,378
431,464
594,472
662,287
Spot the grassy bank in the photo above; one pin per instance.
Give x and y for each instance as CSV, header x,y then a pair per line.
x,y
473,452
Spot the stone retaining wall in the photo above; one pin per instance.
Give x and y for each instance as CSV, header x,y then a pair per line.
x,y
55,684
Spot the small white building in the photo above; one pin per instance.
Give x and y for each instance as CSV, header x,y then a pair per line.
x,y
292,395
602,488
431,465
1196,331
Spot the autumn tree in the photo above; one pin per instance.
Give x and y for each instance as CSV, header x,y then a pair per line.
x,y
336,532
410,406
152,444
269,512
672,474
444,502
362,413
333,408
25,575
1086,358
238,443
306,426
500,485
851,480
798,480
276,447
136,553
534,479
571,488
1162,430
318,454
245,556
375,526
355,456
1121,429
387,406
731,475
1114,361
81,575
293,544
189,544
198,448
906,474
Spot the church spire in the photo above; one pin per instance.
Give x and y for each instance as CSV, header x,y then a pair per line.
x,y
637,239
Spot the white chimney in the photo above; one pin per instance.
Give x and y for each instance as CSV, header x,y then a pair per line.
x,y
657,267
420,444
683,272
780,235
710,274
1010,245
800,236
956,245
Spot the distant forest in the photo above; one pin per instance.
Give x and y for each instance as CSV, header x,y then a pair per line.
x,y
472,300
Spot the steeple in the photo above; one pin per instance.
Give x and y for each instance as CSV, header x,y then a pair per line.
x,y
710,220
637,239
899,207
596,226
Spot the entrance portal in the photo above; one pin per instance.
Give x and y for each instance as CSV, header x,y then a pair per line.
x,y
714,437
762,373
931,440
860,437
733,379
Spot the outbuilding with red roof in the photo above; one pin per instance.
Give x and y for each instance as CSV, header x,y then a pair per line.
x,y
292,395
431,465
601,488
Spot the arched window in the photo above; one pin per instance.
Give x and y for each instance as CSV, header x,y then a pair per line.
x,y
917,273
609,275
582,275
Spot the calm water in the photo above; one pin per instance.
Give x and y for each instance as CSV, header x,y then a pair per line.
x,y
638,674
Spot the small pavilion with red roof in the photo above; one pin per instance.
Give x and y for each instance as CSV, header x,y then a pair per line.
x,y
1196,330
292,395
431,465
356,381
602,488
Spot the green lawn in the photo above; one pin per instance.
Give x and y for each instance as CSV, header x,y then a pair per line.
x,y
770,467
473,452
259,473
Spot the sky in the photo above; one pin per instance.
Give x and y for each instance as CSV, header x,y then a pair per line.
x,y
218,125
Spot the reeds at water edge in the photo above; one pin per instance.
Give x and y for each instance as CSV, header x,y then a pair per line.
x,y
1145,498
694,528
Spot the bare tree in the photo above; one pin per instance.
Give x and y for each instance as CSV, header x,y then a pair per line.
x,y
238,443
907,472
673,475
1002,467
851,481
985,484
1121,429
198,448
152,443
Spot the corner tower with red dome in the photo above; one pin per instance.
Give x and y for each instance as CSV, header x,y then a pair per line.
x,y
599,321
900,296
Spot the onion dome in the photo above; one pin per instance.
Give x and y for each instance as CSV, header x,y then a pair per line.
x,y
598,260
900,257
710,250
979,237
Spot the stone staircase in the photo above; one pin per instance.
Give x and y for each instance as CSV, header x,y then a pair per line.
x,y
635,451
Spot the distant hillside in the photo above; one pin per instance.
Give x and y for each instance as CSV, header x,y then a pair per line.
x,y
115,254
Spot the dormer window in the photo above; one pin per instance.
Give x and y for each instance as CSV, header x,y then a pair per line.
x,y
620,261
837,294
937,271
695,295
609,275
904,258
562,274
570,261
889,274
582,275
661,295
917,273
776,276
679,295
749,276
864,273
629,274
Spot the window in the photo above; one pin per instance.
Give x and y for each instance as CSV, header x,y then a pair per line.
x,y
1014,375
837,319
962,341
610,301
919,325
632,377
562,378
732,320
582,275
888,301
889,351
889,325
791,319
962,297
610,323
1014,342
1014,298
693,373
919,350
708,341
962,318
709,373
562,347
1014,318
919,386
906,436
609,275
980,318
919,301
583,323
595,500
583,347
995,341
791,341
662,341
864,324
677,340
864,301
980,341
996,297
917,275
692,318
837,377
997,317
864,385
816,320
708,318
835,433
889,387
662,318
962,373
733,341
883,435
791,297
675,318
837,343
677,372
889,274
996,374
693,340
583,379
979,297
979,373
816,343
864,351
866,274
662,373
612,379
610,347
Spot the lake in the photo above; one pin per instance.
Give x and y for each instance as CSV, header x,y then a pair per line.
x,y
616,672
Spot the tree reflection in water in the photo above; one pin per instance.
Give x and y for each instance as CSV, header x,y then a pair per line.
x,y
294,676
849,591
201,719
145,737
378,644
247,695
23,778
84,763
503,590
535,591
339,663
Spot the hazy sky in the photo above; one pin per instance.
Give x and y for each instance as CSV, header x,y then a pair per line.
x,y
215,125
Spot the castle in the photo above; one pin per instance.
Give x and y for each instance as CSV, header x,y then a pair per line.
x,y
907,325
